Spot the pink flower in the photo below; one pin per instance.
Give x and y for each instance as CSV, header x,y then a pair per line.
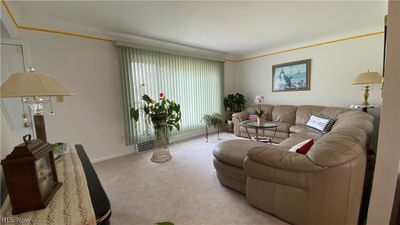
x,y
259,99
162,95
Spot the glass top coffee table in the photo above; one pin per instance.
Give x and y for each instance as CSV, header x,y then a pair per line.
x,y
265,126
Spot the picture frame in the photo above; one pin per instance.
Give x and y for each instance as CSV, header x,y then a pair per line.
x,y
291,76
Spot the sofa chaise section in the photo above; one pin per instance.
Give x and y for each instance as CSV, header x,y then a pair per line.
x,y
322,187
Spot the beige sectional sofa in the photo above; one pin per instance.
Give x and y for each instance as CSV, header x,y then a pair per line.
x,y
291,119
322,187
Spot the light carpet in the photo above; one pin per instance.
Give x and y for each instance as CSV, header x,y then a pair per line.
x,y
184,190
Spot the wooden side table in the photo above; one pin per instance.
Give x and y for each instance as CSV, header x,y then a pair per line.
x,y
229,127
364,107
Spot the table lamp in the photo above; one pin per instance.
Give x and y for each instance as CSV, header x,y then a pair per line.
x,y
367,79
35,89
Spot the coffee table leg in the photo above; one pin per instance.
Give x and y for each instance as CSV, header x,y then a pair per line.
x,y
248,133
257,134
276,128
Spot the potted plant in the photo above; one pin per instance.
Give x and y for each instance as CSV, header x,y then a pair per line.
x,y
165,115
215,120
259,113
234,103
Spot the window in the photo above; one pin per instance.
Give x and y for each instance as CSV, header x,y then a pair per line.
x,y
196,84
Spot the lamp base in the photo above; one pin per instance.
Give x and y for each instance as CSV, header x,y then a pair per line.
x,y
40,127
366,95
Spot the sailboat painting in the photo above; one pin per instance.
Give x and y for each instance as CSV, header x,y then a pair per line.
x,y
292,76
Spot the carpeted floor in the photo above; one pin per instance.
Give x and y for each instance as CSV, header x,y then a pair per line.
x,y
184,190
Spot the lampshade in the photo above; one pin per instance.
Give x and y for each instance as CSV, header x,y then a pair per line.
x,y
32,84
368,78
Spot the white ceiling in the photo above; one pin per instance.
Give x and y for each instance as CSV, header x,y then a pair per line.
x,y
234,28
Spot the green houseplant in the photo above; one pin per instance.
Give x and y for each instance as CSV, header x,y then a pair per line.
x,y
233,103
165,115
215,120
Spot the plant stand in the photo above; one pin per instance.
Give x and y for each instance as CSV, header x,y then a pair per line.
x,y
207,126
161,155
160,152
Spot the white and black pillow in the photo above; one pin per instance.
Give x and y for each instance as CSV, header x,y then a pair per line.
x,y
321,123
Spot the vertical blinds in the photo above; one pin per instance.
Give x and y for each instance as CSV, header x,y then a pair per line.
x,y
196,84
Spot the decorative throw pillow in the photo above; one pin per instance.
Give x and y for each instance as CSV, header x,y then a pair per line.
x,y
252,116
302,147
320,123
299,145
265,116
305,148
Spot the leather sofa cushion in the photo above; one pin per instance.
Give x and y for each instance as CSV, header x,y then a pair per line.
x,y
233,152
284,113
304,112
280,157
332,112
292,141
267,108
338,147
283,127
302,128
231,172
356,119
307,135
283,177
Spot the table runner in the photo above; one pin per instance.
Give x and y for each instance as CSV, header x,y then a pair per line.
x,y
71,204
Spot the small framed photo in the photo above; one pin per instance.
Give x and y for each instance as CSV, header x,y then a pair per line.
x,y
291,76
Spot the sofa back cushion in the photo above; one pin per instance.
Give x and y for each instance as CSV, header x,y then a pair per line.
x,y
355,119
332,112
338,147
304,113
266,107
284,113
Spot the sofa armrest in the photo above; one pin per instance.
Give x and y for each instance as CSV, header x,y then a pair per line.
x,y
280,157
240,116
237,118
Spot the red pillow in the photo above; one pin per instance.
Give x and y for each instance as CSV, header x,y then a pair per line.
x,y
304,149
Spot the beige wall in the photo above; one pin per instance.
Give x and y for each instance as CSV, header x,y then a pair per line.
x,y
93,117
334,67
7,134
388,156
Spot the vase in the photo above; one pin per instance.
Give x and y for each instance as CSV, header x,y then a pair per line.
x,y
160,152
260,121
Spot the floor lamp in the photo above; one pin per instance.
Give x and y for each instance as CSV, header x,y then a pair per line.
x,y
35,89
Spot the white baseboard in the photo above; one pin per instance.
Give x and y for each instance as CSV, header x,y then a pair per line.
x,y
191,135
175,139
105,158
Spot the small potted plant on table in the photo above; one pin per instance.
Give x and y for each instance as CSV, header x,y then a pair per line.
x,y
260,113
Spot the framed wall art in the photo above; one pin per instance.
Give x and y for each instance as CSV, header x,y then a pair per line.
x,y
291,76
